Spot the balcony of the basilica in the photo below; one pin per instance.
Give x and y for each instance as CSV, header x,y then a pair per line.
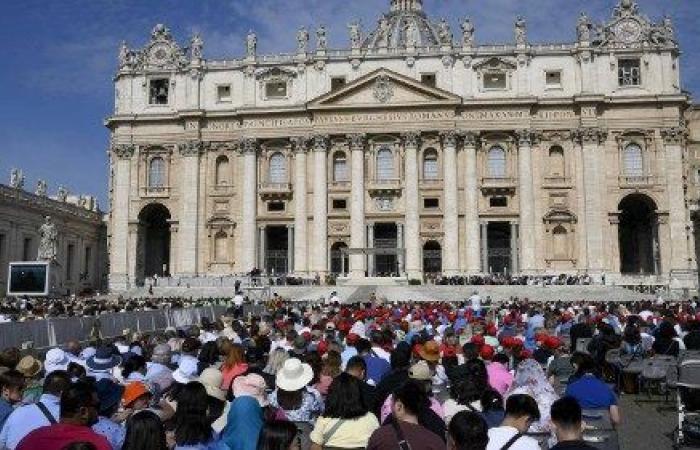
x,y
384,186
269,190
557,182
155,191
639,181
498,184
339,186
431,183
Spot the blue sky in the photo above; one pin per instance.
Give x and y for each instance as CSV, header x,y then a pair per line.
x,y
59,56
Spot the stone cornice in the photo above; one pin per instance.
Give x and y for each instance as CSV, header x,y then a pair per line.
x,y
48,206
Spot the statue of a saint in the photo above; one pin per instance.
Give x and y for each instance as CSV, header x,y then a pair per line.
x,y
384,32
583,28
251,44
520,31
124,59
196,45
41,188
444,32
62,194
467,32
321,38
411,34
302,40
669,31
355,35
48,243
16,179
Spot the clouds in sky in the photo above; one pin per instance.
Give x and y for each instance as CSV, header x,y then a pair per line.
x,y
59,58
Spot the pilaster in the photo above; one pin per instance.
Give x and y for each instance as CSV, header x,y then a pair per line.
x,y
527,203
678,221
411,143
300,208
357,204
471,206
320,233
450,214
248,148
119,256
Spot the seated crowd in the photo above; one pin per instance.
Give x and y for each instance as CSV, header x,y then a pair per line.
x,y
409,376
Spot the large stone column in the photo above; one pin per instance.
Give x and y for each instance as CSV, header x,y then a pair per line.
x,y
677,219
450,223
411,199
514,248
320,235
290,248
249,149
594,188
471,205
485,248
371,258
527,203
300,207
118,256
189,204
357,205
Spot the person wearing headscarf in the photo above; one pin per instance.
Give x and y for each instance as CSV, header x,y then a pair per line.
x,y
531,380
245,420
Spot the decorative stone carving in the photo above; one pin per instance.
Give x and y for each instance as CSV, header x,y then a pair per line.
x,y
123,151
383,89
196,46
590,135
62,194
583,28
302,40
673,135
300,144
411,31
449,138
251,44
445,33
448,61
470,139
384,203
411,139
320,142
520,31
162,52
248,145
357,141
321,38
48,241
630,29
41,188
383,32
16,179
467,33
355,30
191,148
524,138
127,57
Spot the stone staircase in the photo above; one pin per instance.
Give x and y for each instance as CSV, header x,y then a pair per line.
x,y
361,294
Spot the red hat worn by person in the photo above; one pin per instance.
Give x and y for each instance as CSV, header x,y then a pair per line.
x,y
478,340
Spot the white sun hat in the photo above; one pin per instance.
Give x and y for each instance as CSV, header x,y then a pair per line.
x,y
294,375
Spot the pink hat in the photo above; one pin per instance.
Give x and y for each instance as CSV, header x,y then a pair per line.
x,y
252,385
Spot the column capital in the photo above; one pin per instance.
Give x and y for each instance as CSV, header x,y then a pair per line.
x,y
411,139
449,138
524,138
590,135
471,138
300,144
123,151
320,143
357,141
674,135
191,148
247,146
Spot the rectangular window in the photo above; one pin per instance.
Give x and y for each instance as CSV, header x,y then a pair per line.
x,y
340,203
431,203
276,89
158,91
275,206
553,78
629,72
428,79
498,202
223,93
495,80
69,261
337,83
27,249
87,261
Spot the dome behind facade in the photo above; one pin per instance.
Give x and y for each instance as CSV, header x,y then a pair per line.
x,y
406,25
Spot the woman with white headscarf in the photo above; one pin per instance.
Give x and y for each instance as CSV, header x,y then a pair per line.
x,y
530,379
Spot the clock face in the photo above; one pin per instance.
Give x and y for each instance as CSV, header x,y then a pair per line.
x,y
159,54
628,30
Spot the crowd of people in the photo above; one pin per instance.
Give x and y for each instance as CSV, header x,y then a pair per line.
x,y
331,376
501,279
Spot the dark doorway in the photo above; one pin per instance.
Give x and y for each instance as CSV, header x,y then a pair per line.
x,y
432,258
385,237
277,250
638,236
498,245
340,262
153,241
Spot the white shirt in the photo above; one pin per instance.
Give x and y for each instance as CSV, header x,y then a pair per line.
x,y
499,436
475,302
238,300
26,419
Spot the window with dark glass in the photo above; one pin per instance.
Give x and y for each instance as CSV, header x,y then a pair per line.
x,y
431,203
428,79
158,91
340,203
498,202
275,206
337,83
629,72
276,89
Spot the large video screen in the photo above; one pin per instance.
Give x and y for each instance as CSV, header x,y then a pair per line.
x,y
28,279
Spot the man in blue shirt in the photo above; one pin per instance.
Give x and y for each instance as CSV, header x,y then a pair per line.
x,y
12,385
591,392
377,366
28,418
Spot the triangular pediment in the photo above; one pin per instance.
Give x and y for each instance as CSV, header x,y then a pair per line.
x,y
384,88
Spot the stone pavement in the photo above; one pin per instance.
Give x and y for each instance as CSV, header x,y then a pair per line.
x,y
647,423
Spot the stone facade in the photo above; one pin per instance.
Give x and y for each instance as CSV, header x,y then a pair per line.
x,y
411,152
81,253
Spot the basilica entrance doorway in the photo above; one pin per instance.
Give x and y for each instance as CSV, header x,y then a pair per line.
x,y
153,248
432,258
340,263
638,236
276,249
498,244
386,238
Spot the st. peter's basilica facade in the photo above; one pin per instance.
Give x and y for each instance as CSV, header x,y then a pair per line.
x,y
413,151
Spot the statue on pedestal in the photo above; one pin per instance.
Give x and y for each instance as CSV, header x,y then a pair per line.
x,y
467,33
48,243
520,31
251,44
16,179
41,188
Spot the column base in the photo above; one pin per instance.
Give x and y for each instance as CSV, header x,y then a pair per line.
x,y
118,282
415,275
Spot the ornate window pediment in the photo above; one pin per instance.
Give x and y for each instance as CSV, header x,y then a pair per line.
x,y
275,83
161,53
495,64
495,73
629,28
559,215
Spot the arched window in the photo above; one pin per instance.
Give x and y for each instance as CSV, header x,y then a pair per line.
x,y
278,168
497,162
556,161
221,247
340,167
385,164
156,172
632,161
222,171
430,164
561,247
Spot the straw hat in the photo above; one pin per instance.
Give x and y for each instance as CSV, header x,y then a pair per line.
x,y
29,366
211,379
294,375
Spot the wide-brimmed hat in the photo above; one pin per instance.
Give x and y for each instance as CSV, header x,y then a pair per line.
x,y
211,379
56,359
252,385
186,371
430,351
109,393
29,366
420,371
104,359
294,375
